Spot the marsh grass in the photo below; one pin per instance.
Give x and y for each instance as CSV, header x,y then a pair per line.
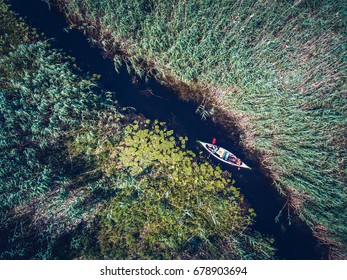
x,y
278,66
43,196
43,99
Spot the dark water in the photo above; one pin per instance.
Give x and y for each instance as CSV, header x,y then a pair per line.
x,y
293,242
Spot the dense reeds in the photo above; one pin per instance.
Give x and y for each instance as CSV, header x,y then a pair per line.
x,y
43,100
279,67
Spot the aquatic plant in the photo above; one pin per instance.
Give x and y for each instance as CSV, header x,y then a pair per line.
x,y
173,207
13,31
278,68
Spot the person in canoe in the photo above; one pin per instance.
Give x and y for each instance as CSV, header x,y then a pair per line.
x,y
214,147
238,162
210,147
233,159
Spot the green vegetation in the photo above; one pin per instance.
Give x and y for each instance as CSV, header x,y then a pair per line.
x,y
12,32
42,101
78,181
169,206
276,67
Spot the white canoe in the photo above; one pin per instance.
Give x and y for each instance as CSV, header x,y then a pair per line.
x,y
222,154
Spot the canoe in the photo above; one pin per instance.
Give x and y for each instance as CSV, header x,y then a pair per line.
x,y
223,155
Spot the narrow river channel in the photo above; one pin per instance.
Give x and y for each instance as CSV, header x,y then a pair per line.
x,y
154,101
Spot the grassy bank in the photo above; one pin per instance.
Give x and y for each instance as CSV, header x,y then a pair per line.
x,y
79,179
277,67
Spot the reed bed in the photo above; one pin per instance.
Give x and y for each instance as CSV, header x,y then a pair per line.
x,y
280,66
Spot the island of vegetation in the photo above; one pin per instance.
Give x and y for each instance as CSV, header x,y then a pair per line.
x,y
82,178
